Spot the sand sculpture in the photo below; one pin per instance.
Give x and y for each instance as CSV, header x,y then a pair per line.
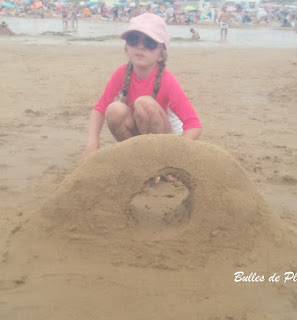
x,y
108,261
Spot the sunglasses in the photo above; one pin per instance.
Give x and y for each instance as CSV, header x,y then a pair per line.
x,y
133,40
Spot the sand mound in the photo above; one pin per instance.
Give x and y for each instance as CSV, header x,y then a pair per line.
x,y
222,207
184,256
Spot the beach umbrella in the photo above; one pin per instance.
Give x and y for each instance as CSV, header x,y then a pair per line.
x,y
6,5
245,6
119,4
132,4
269,4
91,3
82,3
38,4
231,8
177,3
189,8
142,3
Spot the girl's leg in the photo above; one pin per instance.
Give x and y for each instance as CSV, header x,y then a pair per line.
x,y
119,118
150,117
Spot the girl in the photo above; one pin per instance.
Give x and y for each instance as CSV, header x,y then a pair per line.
x,y
142,96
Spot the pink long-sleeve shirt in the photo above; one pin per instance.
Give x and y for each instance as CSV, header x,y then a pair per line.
x,y
170,94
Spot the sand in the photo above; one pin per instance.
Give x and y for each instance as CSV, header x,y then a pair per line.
x,y
93,240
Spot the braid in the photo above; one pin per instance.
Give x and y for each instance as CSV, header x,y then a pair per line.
x,y
162,65
124,92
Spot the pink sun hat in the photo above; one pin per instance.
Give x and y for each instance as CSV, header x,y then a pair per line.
x,y
150,24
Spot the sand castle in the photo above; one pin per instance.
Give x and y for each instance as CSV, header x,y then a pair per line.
x,y
89,240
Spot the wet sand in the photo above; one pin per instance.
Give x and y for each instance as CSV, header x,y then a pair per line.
x,y
246,99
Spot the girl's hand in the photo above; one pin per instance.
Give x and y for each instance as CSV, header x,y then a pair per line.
x,y
91,147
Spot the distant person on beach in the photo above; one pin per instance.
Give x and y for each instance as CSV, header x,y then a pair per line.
x,y
195,34
142,96
74,17
198,16
115,13
4,29
224,19
215,16
65,12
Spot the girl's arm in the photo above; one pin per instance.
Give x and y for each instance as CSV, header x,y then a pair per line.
x,y
192,134
95,126
112,89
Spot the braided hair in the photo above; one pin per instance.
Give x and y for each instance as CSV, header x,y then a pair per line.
x,y
162,64
124,92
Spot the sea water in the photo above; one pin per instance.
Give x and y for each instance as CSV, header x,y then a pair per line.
x,y
26,29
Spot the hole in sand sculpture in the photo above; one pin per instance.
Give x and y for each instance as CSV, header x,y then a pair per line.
x,y
160,205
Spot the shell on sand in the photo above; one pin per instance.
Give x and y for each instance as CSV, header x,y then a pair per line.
x,y
86,228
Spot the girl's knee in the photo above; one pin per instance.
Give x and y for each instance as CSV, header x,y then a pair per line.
x,y
116,111
144,102
145,105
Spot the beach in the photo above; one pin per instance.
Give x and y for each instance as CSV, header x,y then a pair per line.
x,y
246,99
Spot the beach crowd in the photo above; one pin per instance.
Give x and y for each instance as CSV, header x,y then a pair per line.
x,y
173,12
